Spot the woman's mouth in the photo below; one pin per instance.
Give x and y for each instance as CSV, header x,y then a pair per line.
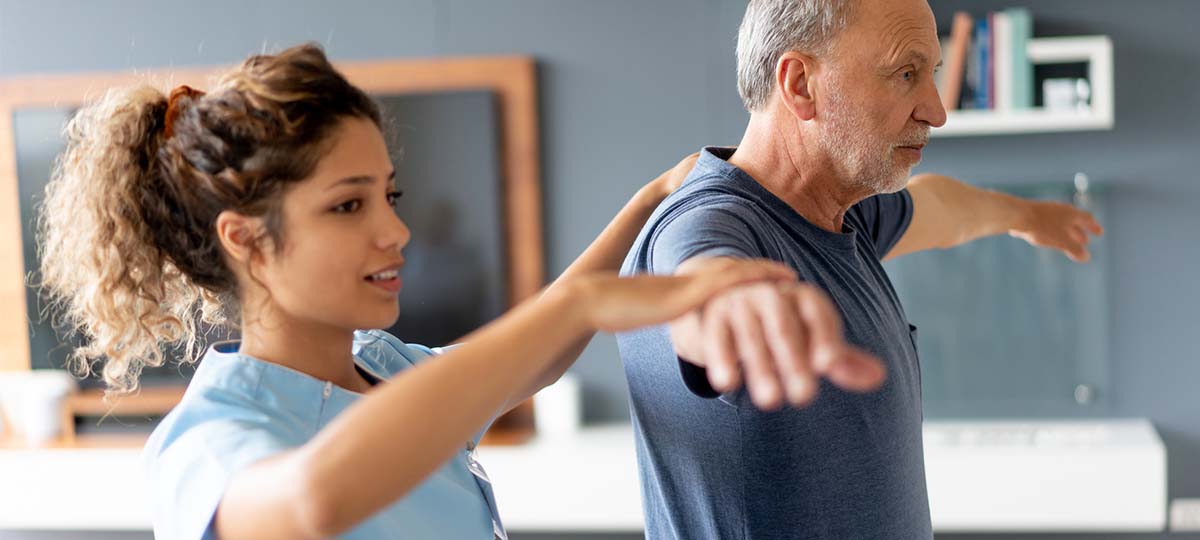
x,y
387,280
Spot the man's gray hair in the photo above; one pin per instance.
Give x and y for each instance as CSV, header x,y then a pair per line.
x,y
773,27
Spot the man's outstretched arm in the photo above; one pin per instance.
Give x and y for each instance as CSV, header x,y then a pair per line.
x,y
948,213
778,338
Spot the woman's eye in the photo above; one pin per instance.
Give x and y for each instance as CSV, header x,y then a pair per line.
x,y
347,207
393,197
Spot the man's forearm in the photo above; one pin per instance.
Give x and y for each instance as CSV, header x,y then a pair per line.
x,y
948,213
973,212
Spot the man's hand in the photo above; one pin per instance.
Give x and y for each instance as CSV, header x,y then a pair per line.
x,y
1058,226
780,337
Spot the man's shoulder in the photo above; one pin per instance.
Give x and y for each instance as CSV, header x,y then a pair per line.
x,y
711,195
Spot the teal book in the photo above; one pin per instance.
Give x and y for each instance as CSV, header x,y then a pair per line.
x,y
1020,23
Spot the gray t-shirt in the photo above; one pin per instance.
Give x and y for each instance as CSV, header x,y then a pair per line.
x,y
847,466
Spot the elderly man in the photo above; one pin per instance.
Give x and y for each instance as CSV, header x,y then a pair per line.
x,y
842,100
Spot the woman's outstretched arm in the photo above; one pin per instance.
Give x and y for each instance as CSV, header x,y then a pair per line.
x,y
605,254
392,439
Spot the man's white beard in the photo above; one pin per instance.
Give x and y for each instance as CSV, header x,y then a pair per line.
x,y
865,159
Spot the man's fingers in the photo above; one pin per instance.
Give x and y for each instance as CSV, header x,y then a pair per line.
x,y
1077,235
823,323
1091,225
761,378
721,360
1077,250
787,341
856,370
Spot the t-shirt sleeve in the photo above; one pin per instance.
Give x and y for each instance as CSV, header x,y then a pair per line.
x,y
720,229
187,480
884,218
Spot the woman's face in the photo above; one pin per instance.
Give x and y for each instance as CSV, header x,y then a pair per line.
x,y
340,261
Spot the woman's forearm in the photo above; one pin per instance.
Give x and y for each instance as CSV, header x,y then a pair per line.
x,y
606,253
391,441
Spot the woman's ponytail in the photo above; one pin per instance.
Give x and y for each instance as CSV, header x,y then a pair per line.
x,y
99,263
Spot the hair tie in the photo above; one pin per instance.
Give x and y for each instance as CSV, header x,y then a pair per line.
x,y
173,107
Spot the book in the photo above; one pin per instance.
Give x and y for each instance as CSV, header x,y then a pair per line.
x,y
1020,22
982,83
955,59
990,61
1002,64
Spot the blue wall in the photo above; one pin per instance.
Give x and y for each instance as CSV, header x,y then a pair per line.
x,y
629,86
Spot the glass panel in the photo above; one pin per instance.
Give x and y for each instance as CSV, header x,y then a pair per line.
x,y
1007,329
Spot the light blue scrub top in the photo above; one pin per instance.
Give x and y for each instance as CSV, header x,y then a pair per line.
x,y
238,410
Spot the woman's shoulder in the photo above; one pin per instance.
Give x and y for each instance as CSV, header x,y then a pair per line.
x,y
388,354
225,395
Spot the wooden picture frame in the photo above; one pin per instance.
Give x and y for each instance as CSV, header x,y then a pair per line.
x,y
512,79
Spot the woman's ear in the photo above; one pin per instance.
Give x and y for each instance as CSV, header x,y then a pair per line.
x,y
238,234
794,78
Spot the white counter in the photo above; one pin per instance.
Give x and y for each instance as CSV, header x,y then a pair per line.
x,y
983,476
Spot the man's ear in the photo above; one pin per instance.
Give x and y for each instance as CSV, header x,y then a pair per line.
x,y
794,79
237,234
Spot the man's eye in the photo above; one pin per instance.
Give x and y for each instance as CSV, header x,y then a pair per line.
x,y
908,75
347,207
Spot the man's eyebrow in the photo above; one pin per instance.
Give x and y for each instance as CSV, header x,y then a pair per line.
x,y
915,56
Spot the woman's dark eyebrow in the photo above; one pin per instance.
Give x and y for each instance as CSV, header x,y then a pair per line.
x,y
360,180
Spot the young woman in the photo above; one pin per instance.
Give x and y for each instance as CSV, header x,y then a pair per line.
x,y
267,204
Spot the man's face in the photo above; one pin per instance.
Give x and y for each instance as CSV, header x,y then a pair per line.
x,y
877,100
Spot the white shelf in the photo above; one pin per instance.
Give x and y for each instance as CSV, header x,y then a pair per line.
x,y
1017,476
969,123
993,476
1096,51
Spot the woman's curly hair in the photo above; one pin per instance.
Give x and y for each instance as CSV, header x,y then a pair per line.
x,y
127,233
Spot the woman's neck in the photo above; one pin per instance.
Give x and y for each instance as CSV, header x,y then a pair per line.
x,y
316,349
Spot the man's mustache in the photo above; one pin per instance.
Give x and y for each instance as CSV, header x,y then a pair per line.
x,y
919,138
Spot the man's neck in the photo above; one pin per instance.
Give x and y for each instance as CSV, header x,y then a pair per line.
x,y
792,168
317,350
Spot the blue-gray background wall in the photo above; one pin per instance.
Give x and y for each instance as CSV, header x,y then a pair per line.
x,y
630,86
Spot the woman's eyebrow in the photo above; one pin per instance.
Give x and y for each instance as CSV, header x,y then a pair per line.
x,y
361,179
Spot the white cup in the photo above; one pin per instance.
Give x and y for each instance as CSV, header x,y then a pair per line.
x,y
33,402
1066,94
557,408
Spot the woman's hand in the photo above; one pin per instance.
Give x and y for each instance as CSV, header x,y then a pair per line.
x,y
672,178
613,303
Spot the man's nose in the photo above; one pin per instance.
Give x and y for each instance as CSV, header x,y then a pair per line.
x,y
930,110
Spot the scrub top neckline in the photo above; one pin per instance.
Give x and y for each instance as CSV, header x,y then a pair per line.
x,y
232,348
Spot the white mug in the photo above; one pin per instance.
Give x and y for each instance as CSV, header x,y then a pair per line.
x,y
557,409
33,402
